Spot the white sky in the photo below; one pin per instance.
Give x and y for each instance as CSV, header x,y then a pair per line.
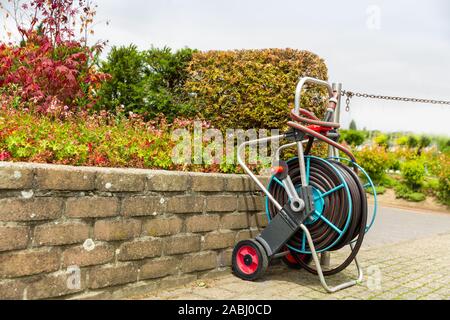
x,y
408,55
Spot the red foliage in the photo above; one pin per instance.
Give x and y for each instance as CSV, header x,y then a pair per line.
x,y
50,71
48,78
55,19
5,156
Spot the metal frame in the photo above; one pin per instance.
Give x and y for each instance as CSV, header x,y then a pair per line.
x,y
317,215
333,153
319,268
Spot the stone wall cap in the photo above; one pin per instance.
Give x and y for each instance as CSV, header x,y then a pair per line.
x,y
150,172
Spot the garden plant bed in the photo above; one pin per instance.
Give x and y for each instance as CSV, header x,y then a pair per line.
x,y
388,199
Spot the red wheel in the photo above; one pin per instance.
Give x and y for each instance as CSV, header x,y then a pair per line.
x,y
249,260
292,261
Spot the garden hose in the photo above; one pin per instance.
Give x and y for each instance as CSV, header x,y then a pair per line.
x,y
312,119
321,137
344,209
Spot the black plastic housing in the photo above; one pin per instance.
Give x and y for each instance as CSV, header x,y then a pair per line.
x,y
286,223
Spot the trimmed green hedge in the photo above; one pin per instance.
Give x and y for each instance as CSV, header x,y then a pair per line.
x,y
375,161
148,82
252,88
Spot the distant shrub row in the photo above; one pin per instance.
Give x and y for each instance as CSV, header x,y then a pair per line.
x,y
427,173
252,88
231,89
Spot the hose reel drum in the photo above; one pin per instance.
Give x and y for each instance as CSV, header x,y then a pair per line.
x,y
314,205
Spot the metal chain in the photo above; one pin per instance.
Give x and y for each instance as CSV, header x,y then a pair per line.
x,y
350,94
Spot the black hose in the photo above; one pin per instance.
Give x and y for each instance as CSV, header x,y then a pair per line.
x,y
336,206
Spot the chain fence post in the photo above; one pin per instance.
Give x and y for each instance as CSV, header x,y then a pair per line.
x,y
325,258
337,87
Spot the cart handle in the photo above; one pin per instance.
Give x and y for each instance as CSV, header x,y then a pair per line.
x,y
301,83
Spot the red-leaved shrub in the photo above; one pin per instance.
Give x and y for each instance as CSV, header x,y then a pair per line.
x,y
47,77
51,70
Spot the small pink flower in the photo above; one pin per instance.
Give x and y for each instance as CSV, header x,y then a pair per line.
x,y
5,156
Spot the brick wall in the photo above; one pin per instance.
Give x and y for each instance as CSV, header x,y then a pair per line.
x,y
75,232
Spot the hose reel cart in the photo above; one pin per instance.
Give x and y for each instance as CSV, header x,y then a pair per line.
x,y
314,205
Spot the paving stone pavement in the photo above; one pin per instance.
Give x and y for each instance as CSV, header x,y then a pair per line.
x,y
406,269
394,225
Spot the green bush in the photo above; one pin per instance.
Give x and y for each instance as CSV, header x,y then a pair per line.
x,y
388,181
253,88
443,191
416,197
443,144
401,190
413,172
394,162
424,141
166,79
353,137
375,161
378,189
126,65
405,192
431,186
402,141
412,142
382,140
146,82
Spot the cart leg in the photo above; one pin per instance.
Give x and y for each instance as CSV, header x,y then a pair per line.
x,y
325,259
319,268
